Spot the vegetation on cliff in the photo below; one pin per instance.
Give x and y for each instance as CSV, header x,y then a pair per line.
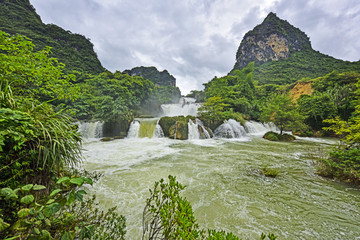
x,y
155,76
74,50
283,54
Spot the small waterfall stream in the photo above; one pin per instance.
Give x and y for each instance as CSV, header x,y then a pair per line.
x,y
197,130
230,129
145,128
233,129
91,130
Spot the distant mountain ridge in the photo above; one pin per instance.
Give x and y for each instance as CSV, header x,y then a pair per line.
x,y
163,78
74,50
283,54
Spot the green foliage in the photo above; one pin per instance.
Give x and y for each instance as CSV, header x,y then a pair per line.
x,y
32,74
344,161
35,142
75,50
167,215
341,88
237,91
303,64
62,214
282,112
316,108
110,97
152,74
36,145
211,112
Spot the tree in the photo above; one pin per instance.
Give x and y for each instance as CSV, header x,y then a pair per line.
x,y
211,112
317,108
344,160
280,110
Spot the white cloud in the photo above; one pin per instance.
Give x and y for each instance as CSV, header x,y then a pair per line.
x,y
197,39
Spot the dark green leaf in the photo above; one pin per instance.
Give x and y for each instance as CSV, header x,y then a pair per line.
x,y
71,198
38,187
63,179
51,209
27,187
23,212
3,225
8,193
55,192
27,199
78,181
68,236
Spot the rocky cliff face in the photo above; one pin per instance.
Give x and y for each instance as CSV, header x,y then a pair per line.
x,y
272,40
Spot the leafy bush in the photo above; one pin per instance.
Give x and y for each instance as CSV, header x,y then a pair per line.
x,y
29,214
167,215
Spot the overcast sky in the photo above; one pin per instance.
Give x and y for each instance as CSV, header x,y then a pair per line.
x,y
196,40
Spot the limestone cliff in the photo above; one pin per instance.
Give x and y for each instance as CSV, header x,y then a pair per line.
x,y
283,54
273,39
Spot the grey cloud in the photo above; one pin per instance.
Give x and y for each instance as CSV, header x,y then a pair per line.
x,y
196,39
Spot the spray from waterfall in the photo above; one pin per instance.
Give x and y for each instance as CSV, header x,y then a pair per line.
x,y
185,107
90,130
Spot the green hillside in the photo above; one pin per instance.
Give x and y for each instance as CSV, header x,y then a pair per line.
x,y
74,50
304,64
160,78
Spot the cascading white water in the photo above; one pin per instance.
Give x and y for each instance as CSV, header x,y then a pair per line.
x,y
197,130
230,129
141,128
233,129
159,133
91,129
134,129
258,128
185,107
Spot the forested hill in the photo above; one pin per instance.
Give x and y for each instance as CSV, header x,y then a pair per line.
x,y
151,73
74,50
283,54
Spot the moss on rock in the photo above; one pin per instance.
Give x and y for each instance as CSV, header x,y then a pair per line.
x,y
273,136
175,127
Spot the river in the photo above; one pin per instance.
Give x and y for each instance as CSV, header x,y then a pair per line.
x,y
223,179
225,187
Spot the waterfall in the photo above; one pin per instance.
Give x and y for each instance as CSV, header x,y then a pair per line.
x,y
233,129
185,107
145,128
134,129
91,129
258,128
230,129
197,130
